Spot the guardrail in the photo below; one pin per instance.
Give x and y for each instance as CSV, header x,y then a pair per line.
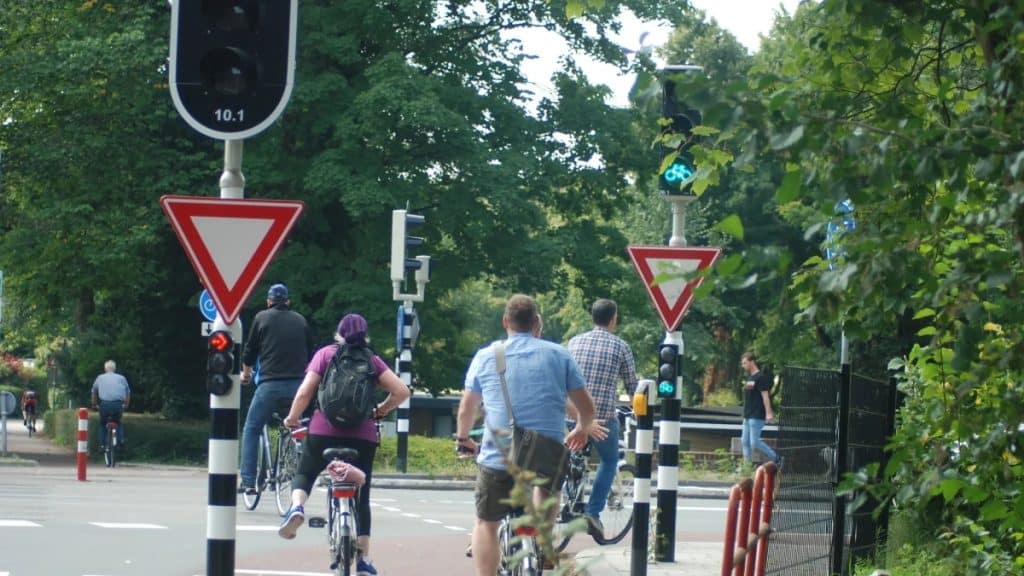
x,y
748,523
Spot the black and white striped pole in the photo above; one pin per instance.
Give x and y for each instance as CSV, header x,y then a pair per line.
x,y
222,381
670,385
406,321
643,409
408,327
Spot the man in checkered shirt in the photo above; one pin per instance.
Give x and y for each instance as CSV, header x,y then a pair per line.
x,y
604,358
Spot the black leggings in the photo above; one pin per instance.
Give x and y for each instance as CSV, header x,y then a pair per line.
x,y
312,463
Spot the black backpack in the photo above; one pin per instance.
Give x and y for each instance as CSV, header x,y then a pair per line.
x,y
347,391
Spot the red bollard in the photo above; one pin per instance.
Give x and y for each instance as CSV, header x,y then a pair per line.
x,y
83,441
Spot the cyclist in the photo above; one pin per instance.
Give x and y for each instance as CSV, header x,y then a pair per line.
x,y
364,437
541,378
604,358
110,395
29,402
281,342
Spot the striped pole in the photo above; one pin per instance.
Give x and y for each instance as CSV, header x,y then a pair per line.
x,y
668,465
223,468
643,409
83,441
404,369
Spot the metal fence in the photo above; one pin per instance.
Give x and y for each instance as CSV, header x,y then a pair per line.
x,y
808,512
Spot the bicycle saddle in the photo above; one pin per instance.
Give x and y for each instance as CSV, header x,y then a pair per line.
x,y
344,454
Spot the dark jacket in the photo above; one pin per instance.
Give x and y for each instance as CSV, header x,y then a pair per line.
x,y
283,342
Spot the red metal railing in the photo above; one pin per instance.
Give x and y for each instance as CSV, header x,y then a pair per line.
x,y
748,523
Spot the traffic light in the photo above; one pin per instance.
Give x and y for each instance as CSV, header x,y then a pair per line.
x,y
401,220
676,167
668,370
220,362
232,63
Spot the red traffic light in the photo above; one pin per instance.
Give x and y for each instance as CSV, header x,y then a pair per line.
x,y
220,341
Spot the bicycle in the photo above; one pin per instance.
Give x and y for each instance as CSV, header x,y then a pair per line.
x,y
110,448
30,419
342,521
618,512
276,465
519,554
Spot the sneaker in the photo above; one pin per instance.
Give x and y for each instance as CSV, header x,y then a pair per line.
x,y
364,568
594,525
292,520
244,488
469,551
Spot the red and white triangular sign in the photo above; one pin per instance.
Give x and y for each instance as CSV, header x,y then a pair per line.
x,y
230,242
662,269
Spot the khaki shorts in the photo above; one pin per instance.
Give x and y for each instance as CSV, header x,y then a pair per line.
x,y
493,488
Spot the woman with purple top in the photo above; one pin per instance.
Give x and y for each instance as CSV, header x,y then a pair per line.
x,y
322,435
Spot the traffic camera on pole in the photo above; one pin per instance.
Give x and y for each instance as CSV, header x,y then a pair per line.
x,y
677,168
232,63
668,370
401,263
220,363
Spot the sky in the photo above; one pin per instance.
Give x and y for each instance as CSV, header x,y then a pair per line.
x,y
745,19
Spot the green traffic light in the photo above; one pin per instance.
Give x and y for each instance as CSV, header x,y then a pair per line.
x,y
666,388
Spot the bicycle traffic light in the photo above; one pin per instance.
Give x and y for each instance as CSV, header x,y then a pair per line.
x,y
232,63
676,169
220,363
668,370
401,220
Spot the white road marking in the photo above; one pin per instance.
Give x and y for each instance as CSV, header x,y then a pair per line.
x,y
255,528
129,525
17,524
273,573
429,521
456,528
410,515
701,509
391,509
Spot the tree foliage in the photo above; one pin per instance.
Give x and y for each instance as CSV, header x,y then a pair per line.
x,y
912,111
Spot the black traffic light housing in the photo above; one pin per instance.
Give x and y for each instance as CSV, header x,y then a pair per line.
x,y
676,166
232,63
668,370
220,363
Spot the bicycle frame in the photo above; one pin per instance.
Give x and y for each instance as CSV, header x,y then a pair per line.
x,y
518,548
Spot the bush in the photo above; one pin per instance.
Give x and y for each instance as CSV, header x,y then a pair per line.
x,y
148,437
432,456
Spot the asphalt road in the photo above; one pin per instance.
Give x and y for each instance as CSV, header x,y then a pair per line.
x,y
150,521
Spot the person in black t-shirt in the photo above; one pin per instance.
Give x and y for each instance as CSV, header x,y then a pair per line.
x,y
757,409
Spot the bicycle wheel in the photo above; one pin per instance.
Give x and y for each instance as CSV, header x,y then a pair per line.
x,y
262,464
109,455
287,462
569,519
618,511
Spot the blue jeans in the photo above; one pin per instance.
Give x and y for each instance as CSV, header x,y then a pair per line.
x,y
752,439
270,395
608,451
114,409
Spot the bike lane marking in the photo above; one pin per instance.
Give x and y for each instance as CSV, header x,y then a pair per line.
x,y
129,525
18,524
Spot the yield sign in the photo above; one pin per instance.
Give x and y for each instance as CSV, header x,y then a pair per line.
x,y
230,242
663,270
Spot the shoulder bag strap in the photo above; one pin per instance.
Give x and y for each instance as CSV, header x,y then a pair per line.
x,y
499,363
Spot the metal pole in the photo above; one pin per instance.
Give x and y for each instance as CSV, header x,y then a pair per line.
x,y
223,439
842,448
668,465
643,408
679,205
405,373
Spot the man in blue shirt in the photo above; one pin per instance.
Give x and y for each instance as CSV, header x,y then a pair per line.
x,y
110,395
541,377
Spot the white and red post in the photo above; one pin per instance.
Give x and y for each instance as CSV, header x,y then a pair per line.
x,y
83,441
